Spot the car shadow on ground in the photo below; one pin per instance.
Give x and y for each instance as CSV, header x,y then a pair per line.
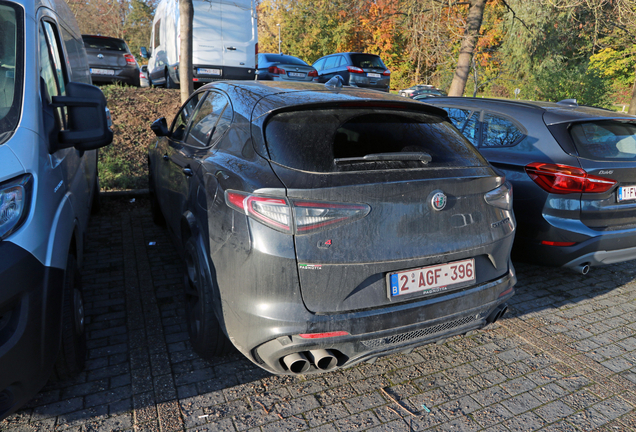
x,y
142,372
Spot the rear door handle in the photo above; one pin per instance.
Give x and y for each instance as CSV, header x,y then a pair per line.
x,y
231,48
188,172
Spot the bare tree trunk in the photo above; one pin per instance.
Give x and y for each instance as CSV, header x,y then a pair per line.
x,y
475,16
632,103
186,11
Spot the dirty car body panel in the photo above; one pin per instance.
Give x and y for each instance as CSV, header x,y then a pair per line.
x,y
319,250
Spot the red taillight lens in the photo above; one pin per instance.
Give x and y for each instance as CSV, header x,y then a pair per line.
x,y
313,73
553,243
312,216
563,179
354,69
386,73
323,335
276,70
308,216
130,59
256,55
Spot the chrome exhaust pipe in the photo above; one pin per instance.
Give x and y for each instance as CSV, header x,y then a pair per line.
x,y
497,313
582,268
296,363
323,359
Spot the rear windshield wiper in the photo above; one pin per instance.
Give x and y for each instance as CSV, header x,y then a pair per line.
x,y
390,157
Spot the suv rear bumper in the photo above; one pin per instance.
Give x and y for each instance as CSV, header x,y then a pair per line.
x,y
379,332
30,314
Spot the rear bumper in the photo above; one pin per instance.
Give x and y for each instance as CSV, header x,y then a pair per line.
x,y
379,332
227,73
30,308
592,247
128,76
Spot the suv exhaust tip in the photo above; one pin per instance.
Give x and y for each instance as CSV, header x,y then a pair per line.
x,y
582,268
296,363
323,359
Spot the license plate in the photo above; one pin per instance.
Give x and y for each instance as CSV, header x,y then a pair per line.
x,y
626,193
296,74
204,71
431,279
374,75
102,71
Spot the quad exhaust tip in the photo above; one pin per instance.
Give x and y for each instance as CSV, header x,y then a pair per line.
x,y
322,359
497,313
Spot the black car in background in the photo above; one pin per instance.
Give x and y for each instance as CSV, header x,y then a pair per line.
x,y
283,67
323,227
356,69
110,60
573,169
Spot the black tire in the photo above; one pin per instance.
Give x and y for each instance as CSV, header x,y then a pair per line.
x,y
206,334
170,84
157,215
72,355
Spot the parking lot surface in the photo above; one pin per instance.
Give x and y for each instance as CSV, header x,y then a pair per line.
x,y
563,358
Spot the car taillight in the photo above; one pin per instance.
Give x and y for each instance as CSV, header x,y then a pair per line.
x,y
553,243
354,69
130,59
297,216
313,73
386,73
276,70
563,179
256,55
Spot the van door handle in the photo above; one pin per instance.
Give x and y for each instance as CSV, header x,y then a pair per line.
x,y
231,48
166,157
188,172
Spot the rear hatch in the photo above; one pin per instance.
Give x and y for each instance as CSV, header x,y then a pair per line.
x,y
607,151
383,206
373,68
105,54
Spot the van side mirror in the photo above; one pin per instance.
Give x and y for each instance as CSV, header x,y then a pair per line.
x,y
144,52
160,127
88,126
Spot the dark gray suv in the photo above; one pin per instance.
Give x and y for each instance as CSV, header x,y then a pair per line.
x,y
356,69
573,169
325,226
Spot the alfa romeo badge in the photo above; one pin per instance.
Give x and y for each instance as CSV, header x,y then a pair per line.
x,y
439,201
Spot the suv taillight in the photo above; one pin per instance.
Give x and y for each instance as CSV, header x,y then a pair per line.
x,y
563,179
354,69
295,216
130,59
386,73
276,70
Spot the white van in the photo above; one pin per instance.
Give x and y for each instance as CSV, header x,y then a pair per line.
x,y
52,120
224,42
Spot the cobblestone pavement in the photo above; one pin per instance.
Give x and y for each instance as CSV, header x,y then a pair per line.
x,y
564,358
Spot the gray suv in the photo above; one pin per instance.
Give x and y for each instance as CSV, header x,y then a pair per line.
x,y
356,69
52,120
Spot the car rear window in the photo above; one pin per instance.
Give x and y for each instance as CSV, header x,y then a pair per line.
x,y
605,140
367,61
105,43
335,140
284,59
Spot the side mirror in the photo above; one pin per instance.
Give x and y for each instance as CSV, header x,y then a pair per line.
x,y
144,68
144,52
160,127
88,122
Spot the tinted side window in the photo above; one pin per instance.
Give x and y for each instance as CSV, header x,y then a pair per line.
x,y
181,120
458,116
500,132
313,140
331,62
210,121
342,61
471,129
318,65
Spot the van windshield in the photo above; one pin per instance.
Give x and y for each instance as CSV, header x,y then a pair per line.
x,y
11,66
